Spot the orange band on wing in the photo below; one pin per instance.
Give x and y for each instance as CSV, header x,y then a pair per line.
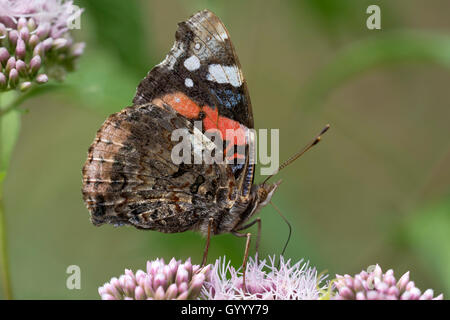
x,y
182,104
230,130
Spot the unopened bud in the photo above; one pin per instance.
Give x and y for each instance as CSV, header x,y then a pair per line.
x,y
13,78
42,78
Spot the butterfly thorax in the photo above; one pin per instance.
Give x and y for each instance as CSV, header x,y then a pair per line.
x,y
242,210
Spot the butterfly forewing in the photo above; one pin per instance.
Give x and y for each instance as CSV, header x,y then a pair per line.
x,y
203,65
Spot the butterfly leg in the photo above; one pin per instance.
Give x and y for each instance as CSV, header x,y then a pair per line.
x,y
208,240
247,249
258,235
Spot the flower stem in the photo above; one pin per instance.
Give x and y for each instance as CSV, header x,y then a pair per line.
x,y
4,261
6,278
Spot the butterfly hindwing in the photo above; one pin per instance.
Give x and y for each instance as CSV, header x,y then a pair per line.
x,y
130,178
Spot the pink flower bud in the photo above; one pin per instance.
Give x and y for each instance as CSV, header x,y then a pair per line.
x,y
182,287
139,293
77,49
346,293
35,64
148,287
160,280
427,295
24,86
21,49
188,266
172,292
415,293
42,78
393,291
38,50
21,23
24,34
182,275
3,31
410,285
34,40
107,297
13,37
43,30
10,64
13,78
21,68
31,24
4,55
140,276
3,81
360,296
401,284
47,44
159,293
183,296
60,44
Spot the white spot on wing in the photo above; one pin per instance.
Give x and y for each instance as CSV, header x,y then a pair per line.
x,y
188,82
192,63
225,74
176,51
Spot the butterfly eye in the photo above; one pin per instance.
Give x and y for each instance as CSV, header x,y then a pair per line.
x,y
197,46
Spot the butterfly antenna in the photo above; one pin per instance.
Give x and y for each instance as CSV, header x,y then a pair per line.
x,y
311,144
289,225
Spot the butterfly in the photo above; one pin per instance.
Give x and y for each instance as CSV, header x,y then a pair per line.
x,y
129,177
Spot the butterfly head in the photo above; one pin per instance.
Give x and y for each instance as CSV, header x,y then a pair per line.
x,y
264,192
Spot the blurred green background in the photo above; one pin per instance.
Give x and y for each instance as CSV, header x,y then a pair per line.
x,y
376,190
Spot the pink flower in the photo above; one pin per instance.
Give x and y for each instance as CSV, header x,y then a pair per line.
x,y
51,15
264,281
37,28
376,285
175,280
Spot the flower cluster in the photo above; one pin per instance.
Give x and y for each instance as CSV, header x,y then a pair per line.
x,y
35,42
264,280
376,285
174,280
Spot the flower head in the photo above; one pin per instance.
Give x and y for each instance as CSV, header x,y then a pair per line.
x,y
31,29
174,280
264,280
376,285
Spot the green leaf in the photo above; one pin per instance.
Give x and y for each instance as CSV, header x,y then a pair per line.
x,y
9,132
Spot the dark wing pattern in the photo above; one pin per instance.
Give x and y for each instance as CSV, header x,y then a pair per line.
x,y
203,65
129,177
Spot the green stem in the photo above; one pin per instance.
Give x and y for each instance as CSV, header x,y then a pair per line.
x,y
4,261
13,105
6,277
17,100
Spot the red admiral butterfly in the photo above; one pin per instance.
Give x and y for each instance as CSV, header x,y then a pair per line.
x,y
129,177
